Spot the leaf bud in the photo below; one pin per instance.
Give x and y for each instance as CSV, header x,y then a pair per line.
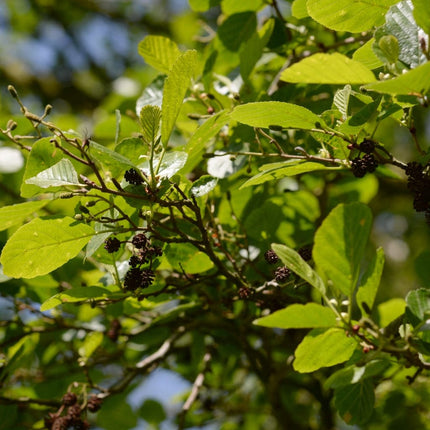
x,y
11,125
12,91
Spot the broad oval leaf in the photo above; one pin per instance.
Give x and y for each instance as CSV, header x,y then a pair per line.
x,y
366,56
43,245
328,69
266,114
60,174
185,257
340,243
310,315
422,14
418,306
16,214
175,87
159,52
236,29
349,15
323,348
171,163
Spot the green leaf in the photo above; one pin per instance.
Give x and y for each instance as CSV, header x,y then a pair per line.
x,y
422,264
252,49
132,148
328,69
203,5
266,114
77,294
349,15
230,7
389,46
202,137
115,162
16,214
323,348
390,310
237,29
422,14
43,245
159,52
60,174
340,243
152,412
285,169
310,315
299,266
371,279
184,256
414,82
175,87
91,342
116,413
418,306
203,185
299,9
355,402
367,57
353,374
150,117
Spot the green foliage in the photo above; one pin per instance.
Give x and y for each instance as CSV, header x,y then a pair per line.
x,y
242,224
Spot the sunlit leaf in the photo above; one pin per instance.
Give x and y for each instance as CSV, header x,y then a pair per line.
x,y
16,214
60,174
159,52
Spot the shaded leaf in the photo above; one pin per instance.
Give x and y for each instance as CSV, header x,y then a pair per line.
x,y
418,306
355,402
236,29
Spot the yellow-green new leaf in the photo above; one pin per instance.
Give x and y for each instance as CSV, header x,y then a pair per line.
x,y
175,88
323,348
328,69
16,214
159,52
42,246
267,114
310,315
349,15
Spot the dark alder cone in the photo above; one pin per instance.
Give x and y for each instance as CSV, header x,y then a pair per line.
x,y
133,279
245,293
271,257
358,167
49,420
94,404
147,278
414,170
61,423
74,412
133,177
421,202
367,146
134,261
370,162
69,399
305,252
112,244
282,274
140,241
